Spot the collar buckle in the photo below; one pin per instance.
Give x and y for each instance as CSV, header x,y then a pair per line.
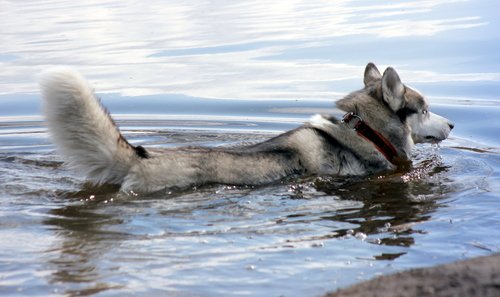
x,y
352,120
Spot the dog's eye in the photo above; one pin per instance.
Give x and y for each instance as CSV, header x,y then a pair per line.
x,y
425,111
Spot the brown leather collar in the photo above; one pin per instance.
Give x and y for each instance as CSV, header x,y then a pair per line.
x,y
383,145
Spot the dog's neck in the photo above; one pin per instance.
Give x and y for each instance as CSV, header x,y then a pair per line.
x,y
382,144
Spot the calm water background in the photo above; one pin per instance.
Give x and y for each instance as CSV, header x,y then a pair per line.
x,y
229,72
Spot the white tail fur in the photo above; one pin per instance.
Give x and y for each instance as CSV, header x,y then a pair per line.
x,y
82,130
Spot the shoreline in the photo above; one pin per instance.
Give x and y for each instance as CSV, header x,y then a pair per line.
x,y
478,276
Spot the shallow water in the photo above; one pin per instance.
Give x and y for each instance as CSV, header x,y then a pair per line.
x,y
168,73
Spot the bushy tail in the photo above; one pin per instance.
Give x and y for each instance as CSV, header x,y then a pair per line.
x,y
82,129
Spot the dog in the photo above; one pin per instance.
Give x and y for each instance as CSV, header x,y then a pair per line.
x,y
383,121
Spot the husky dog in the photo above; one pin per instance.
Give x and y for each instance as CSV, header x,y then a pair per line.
x,y
383,121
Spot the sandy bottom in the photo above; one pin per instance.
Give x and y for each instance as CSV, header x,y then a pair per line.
x,y
474,277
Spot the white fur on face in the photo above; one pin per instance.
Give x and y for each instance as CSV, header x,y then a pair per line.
x,y
428,127
425,126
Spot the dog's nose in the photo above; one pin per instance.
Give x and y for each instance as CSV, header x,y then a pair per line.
x,y
451,125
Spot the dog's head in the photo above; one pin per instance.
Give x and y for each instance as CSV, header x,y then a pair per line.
x,y
385,99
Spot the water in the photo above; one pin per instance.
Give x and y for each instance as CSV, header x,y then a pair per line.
x,y
177,73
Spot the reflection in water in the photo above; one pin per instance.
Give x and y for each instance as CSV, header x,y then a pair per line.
x,y
391,205
83,244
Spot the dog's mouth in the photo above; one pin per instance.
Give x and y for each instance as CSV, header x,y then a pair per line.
x,y
433,139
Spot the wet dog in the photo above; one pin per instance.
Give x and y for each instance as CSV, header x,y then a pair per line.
x,y
383,121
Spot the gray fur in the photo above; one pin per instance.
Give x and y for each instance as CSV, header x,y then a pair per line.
x,y
92,144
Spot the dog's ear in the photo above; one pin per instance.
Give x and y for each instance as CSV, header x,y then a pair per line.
x,y
371,74
393,89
